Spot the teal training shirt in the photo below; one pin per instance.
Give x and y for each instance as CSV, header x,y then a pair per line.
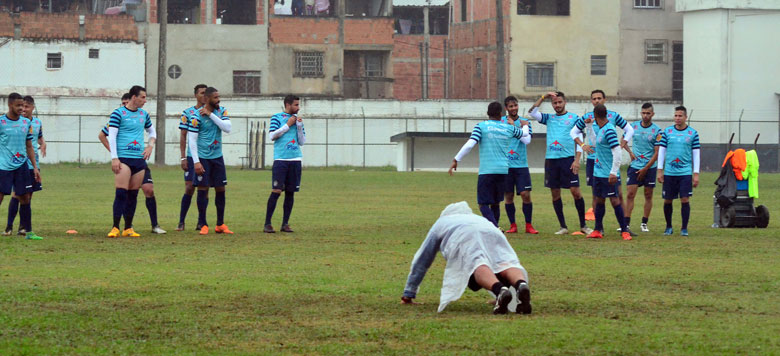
x,y
287,146
679,150
518,153
209,134
36,129
13,142
645,139
131,125
494,138
559,143
605,140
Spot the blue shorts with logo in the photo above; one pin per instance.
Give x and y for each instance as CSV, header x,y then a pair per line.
x,y
147,176
136,164
558,174
648,181
602,188
286,175
214,174
17,180
518,179
490,188
590,163
36,186
677,186
190,170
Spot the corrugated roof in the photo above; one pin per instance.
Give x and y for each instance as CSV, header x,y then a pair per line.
x,y
420,2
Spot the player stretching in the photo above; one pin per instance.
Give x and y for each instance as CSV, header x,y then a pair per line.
x,y
205,141
128,156
16,149
642,171
678,155
287,133
494,138
186,157
562,159
519,176
38,144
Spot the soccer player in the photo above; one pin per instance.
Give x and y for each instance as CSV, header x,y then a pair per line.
x,y
642,170
678,155
562,159
288,135
16,149
494,138
478,256
186,157
128,156
38,144
519,177
606,170
205,141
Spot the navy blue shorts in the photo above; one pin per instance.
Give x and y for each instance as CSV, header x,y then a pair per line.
x,y
589,171
36,186
190,170
286,176
147,176
649,180
518,179
558,174
136,164
602,188
677,186
214,175
17,180
490,188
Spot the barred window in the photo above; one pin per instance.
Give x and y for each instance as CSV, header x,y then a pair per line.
x,y
308,64
374,65
598,65
647,4
94,53
540,75
53,60
246,82
478,68
655,51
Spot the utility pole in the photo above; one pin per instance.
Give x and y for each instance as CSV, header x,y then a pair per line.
x,y
500,56
426,46
159,154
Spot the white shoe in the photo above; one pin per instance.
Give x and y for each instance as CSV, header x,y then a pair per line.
x,y
562,231
644,228
158,230
586,230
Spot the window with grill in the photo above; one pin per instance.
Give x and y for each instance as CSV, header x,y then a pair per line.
x,y
543,7
647,4
246,82
375,65
308,64
598,65
540,75
53,60
94,53
655,51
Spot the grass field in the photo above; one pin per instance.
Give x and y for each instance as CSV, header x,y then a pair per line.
x,y
334,285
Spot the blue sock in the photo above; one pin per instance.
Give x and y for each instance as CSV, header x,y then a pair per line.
x,y
120,202
25,215
558,206
151,205
488,213
13,208
270,207
496,208
668,209
685,210
510,212
289,200
203,204
219,201
132,202
186,200
580,205
620,218
600,211
528,211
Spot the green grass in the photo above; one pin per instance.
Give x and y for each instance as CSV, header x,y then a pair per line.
x,y
333,286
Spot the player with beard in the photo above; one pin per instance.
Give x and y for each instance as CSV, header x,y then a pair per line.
x,y
519,177
186,156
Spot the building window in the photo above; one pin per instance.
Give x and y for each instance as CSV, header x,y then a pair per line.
x,y
543,7
464,6
647,4
237,12
598,65
308,64
305,8
375,65
183,11
246,82
53,60
540,75
94,53
655,51
478,68
174,71
365,8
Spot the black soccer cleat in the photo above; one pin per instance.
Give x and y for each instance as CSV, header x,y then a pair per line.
x,y
269,229
523,299
286,228
502,301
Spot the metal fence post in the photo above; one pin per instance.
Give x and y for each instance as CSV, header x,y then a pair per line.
x,y
79,141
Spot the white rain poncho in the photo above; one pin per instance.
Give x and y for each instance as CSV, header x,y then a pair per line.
x,y
466,241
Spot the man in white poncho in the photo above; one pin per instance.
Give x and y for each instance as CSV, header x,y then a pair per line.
x,y
478,256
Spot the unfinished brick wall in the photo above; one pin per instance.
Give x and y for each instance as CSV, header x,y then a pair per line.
x,y
66,26
303,30
407,68
374,31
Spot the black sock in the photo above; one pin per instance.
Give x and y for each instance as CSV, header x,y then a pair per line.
x,y
620,218
644,220
120,202
219,201
519,282
599,212
186,200
203,204
151,205
510,212
488,213
271,206
528,211
13,208
25,215
668,209
496,212
580,205
627,219
685,210
132,202
496,288
558,206
289,200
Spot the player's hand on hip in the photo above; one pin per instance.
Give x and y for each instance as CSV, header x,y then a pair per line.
x,y
695,180
453,166
199,169
575,167
612,179
116,165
